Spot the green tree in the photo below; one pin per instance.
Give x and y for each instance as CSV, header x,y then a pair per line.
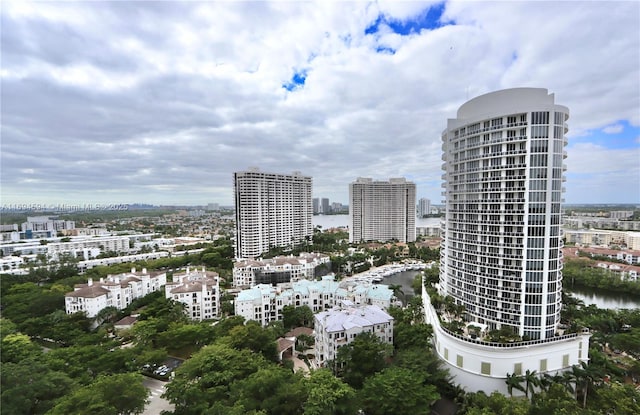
x,y
363,357
328,395
108,395
586,376
495,404
514,381
397,391
293,317
531,381
426,362
31,387
272,389
555,400
622,399
18,346
254,337
207,377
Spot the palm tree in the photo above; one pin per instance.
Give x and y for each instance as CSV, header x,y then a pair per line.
x,y
397,291
531,380
547,380
586,375
514,381
569,382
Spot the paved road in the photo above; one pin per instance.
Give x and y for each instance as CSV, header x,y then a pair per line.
x,y
156,403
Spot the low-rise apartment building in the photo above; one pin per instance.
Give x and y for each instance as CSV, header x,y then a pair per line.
x,y
264,302
630,257
113,291
198,290
338,327
281,269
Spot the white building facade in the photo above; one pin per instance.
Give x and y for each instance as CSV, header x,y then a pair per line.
x,y
249,272
114,291
338,327
272,210
264,302
382,210
199,291
501,251
424,207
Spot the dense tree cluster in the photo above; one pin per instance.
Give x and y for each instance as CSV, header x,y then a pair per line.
x,y
584,272
57,363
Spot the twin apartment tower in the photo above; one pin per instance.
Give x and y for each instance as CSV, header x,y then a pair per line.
x,y
275,211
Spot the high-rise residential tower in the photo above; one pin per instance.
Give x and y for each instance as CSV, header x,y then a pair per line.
x,y
424,207
382,210
501,252
272,210
325,207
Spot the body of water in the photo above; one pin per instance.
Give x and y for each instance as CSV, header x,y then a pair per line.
x,y
404,279
336,221
604,299
588,296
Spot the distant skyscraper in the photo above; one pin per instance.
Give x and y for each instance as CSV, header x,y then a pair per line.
x,y
316,206
382,210
272,210
326,208
424,207
501,252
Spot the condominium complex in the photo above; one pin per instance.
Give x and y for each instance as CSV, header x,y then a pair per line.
x,y
113,291
249,272
198,290
264,302
382,210
272,210
338,327
501,252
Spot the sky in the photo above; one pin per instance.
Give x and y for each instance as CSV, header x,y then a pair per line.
x,y
160,102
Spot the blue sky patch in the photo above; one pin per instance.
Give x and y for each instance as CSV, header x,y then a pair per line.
x,y
386,49
428,19
619,135
297,81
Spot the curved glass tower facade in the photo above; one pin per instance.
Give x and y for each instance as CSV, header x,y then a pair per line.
x,y
503,172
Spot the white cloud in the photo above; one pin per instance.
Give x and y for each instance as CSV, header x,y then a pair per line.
x,y
166,99
613,129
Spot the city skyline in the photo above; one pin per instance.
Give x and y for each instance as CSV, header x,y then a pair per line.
x,y
159,103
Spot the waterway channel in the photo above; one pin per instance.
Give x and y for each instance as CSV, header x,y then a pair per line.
x,y
589,296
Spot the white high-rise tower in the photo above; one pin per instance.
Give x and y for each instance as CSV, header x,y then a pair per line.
x,y
382,210
501,252
272,210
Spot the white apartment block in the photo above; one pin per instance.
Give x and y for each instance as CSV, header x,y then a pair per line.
x,y
382,210
624,272
47,223
272,210
9,263
199,291
84,246
501,252
602,237
77,246
113,291
264,303
92,263
424,207
630,257
249,272
338,327
579,222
